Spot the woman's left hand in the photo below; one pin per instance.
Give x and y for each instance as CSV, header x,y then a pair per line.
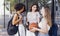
x,y
33,29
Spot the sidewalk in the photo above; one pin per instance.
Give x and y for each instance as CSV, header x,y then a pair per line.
x,y
3,32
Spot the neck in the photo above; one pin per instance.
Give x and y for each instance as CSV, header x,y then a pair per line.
x,y
33,11
18,12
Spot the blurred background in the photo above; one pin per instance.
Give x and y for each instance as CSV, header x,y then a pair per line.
x,y
7,11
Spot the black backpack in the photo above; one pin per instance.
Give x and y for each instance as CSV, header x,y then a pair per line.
x,y
11,29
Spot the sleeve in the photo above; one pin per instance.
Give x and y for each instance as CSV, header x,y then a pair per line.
x,y
38,15
27,16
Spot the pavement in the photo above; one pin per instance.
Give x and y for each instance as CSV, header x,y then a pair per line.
x,y
3,32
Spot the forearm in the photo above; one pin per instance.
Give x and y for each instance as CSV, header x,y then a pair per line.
x,y
16,22
43,31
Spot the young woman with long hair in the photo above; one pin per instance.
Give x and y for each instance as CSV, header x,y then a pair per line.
x,y
45,22
33,17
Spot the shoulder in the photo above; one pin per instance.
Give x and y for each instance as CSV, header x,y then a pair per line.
x,y
29,13
37,12
15,16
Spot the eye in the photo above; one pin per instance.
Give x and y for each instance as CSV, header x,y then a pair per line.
x,y
34,7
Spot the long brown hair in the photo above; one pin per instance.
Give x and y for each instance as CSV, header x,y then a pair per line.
x,y
33,5
48,15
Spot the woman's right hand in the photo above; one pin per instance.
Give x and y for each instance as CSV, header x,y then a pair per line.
x,y
20,17
32,30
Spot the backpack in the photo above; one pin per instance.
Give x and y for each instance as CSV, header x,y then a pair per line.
x,y
12,29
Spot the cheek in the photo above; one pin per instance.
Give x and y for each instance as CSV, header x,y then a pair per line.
x,y
22,10
42,12
33,8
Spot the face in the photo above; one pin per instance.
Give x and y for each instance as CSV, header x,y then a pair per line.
x,y
22,10
43,11
34,7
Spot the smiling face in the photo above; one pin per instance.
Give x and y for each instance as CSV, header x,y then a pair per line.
x,y
34,8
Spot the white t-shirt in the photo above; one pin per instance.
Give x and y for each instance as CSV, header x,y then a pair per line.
x,y
32,17
43,24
